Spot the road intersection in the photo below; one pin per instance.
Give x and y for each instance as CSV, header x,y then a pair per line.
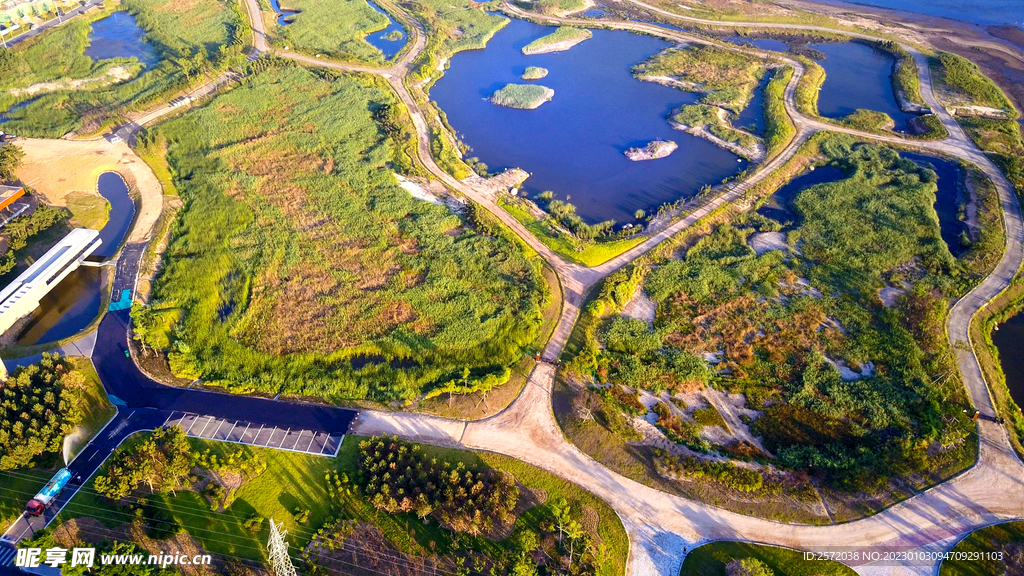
x,y
661,526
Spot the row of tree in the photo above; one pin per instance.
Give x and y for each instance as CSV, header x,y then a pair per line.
x,y
160,462
39,405
397,477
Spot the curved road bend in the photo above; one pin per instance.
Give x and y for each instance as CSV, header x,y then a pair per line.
x,y
662,526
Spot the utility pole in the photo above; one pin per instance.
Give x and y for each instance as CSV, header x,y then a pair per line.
x,y
280,561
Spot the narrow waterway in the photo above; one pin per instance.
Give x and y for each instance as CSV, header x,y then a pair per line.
x,y
1008,340
948,198
760,43
283,16
72,304
858,76
119,36
390,40
751,118
574,144
779,205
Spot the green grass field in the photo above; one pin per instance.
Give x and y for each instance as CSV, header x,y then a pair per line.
x,y
297,252
726,77
88,210
712,559
334,29
294,480
981,551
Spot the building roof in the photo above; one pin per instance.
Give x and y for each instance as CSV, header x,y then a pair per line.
x,y
46,267
9,194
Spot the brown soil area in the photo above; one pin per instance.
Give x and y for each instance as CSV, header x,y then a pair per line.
x,y
54,168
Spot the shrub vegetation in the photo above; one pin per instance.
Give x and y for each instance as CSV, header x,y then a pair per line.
x,y
563,35
298,265
526,96
334,29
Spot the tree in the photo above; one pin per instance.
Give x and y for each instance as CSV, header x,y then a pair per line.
x,y
10,160
748,567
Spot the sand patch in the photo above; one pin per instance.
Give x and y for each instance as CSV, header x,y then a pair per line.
x,y
55,168
763,242
112,76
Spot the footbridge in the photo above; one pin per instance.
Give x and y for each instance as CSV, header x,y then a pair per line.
x,y
22,296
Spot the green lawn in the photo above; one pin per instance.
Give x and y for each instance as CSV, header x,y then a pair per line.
x,y
593,253
1000,540
88,210
711,560
333,28
294,480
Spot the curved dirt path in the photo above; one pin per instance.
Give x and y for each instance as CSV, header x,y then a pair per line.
x,y
661,526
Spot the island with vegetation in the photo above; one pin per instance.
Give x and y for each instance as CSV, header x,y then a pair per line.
x,y
654,150
564,38
534,73
523,96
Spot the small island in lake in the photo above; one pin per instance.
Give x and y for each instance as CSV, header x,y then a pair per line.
x,y
534,73
562,39
524,96
653,151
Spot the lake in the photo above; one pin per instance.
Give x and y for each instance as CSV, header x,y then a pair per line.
x,y
119,36
987,12
858,76
947,199
574,144
779,205
1011,355
72,304
382,40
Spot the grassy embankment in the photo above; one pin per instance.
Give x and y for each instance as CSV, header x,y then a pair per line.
x,y
712,560
767,348
87,210
563,38
568,246
336,30
778,126
556,7
727,79
18,485
522,96
1000,309
453,26
418,303
293,482
997,549
961,82
192,39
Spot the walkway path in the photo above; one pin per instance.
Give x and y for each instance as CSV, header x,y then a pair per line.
x,y
662,526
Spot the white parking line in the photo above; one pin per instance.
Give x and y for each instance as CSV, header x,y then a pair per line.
x,y
219,426
310,442
283,439
189,431
200,435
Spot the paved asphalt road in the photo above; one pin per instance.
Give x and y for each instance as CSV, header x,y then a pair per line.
x,y
81,9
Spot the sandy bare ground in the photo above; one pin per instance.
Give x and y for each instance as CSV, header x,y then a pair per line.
x,y
55,168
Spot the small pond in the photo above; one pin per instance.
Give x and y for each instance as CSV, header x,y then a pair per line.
x,y
119,36
283,16
947,198
574,144
751,118
390,40
73,303
762,43
594,13
858,76
779,205
1007,339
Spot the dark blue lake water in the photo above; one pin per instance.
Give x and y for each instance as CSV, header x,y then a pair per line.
x,y
381,40
779,205
283,16
72,304
751,118
858,76
119,36
594,13
762,43
991,12
1011,355
574,144
947,198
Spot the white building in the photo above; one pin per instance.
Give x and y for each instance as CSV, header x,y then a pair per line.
x,y
22,296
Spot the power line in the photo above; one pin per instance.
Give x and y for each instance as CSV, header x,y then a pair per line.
x,y
279,558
